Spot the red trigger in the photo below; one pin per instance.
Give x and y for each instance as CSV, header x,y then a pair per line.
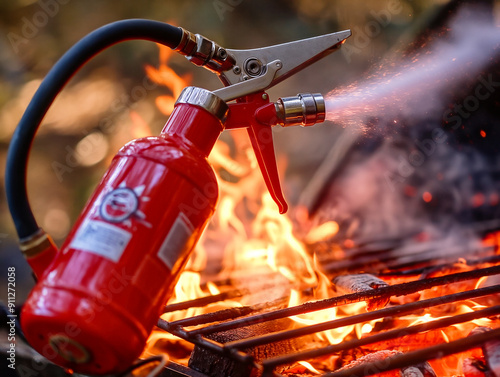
x,y
255,113
261,137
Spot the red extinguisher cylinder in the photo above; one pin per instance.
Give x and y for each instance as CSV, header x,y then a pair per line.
x,y
95,306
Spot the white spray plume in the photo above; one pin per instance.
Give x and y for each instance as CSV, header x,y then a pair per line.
x,y
414,88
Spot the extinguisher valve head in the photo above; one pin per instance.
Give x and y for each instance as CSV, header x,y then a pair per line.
x,y
304,109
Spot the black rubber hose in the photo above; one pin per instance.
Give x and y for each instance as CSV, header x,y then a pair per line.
x,y
58,76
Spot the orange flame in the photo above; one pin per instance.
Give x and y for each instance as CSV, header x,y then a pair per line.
x,y
140,128
166,76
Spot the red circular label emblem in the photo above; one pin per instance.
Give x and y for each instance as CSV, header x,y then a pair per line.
x,y
69,349
119,205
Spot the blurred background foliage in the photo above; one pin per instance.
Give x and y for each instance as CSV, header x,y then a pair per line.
x,y
105,99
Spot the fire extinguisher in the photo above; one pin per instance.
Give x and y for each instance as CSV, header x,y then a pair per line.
x,y
99,296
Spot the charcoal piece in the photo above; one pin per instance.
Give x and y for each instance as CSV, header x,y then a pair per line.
x,y
419,370
475,367
491,352
346,284
216,365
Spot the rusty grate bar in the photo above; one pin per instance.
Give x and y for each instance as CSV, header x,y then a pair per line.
x,y
495,259
208,344
270,364
206,300
393,290
222,315
419,356
360,318
396,258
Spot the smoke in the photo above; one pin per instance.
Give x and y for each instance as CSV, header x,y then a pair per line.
x,y
407,174
420,86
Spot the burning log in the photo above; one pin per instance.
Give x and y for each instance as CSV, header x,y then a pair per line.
x,y
346,284
491,352
419,370
376,358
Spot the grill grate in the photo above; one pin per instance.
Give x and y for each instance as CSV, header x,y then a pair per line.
x,y
236,318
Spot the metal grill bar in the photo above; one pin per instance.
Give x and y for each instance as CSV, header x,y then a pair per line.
x,y
419,356
204,301
207,344
419,271
223,315
270,364
361,318
395,259
232,349
393,290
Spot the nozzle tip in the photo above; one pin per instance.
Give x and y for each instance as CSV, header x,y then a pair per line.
x,y
305,109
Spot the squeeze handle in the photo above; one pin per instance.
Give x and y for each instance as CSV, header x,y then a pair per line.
x,y
261,137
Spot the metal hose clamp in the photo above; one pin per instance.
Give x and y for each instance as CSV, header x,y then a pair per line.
x,y
204,52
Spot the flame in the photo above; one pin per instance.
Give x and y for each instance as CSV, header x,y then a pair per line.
x,y
493,240
140,128
322,232
166,76
309,367
480,282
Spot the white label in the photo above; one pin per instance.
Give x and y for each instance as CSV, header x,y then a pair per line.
x,y
102,239
176,240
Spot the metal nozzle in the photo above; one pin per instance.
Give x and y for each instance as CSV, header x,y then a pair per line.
x,y
304,109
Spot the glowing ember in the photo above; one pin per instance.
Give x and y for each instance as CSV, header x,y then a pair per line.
x,y
427,196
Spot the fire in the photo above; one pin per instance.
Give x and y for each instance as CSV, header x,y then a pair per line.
x,y
247,239
166,76
322,232
309,367
140,127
